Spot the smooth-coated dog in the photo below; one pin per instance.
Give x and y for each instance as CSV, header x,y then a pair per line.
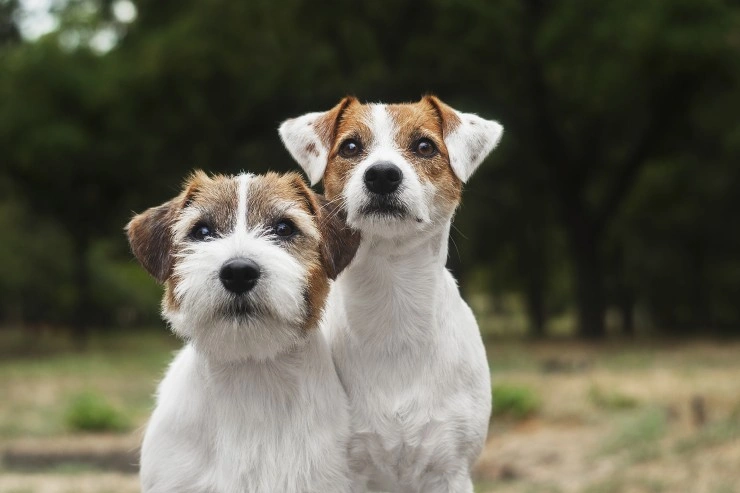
x,y
252,403
406,346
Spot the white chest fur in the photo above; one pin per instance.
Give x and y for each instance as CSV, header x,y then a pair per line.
x,y
409,353
279,425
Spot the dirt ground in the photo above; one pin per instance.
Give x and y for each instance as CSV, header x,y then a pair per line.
x,y
651,417
659,418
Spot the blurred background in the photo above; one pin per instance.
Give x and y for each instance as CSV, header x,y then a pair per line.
x,y
597,244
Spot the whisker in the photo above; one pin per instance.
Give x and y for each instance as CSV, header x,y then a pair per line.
x,y
459,232
456,249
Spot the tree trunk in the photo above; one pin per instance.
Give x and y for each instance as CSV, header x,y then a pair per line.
x,y
700,313
533,269
536,308
81,320
627,310
589,280
625,297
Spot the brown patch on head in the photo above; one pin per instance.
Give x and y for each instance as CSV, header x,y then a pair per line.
x,y
352,123
274,197
215,199
336,242
450,120
325,128
306,246
425,120
326,125
151,234
325,245
429,118
207,200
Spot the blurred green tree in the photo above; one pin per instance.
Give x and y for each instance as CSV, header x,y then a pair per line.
x,y
597,91
9,32
618,161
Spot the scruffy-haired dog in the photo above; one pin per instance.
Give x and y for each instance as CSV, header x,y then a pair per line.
x,y
253,402
406,346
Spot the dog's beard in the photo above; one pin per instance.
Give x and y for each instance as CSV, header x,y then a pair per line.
x,y
385,207
227,327
235,331
239,308
397,215
392,216
211,302
259,324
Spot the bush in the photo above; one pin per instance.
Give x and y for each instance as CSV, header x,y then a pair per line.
x,y
639,432
612,401
124,294
515,401
92,412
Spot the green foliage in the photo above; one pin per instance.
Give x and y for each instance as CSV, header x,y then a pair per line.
x,y
712,435
91,411
638,434
611,400
515,401
612,186
126,295
36,248
33,249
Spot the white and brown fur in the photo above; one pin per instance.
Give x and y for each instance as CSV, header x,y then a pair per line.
x,y
252,403
406,346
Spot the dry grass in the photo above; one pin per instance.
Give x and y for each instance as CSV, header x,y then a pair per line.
x,y
39,382
648,418
43,377
611,418
69,482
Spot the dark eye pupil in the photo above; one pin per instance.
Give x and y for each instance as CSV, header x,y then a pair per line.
x,y
202,232
350,149
425,148
283,229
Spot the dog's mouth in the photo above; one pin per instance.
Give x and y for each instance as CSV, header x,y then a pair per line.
x,y
386,207
238,308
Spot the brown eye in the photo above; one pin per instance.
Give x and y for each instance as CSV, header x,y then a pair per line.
x,y
350,148
285,229
425,148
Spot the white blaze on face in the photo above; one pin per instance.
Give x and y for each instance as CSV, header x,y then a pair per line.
x,y
383,146
467,137
241,210
411,194
208,314
384,129
429,193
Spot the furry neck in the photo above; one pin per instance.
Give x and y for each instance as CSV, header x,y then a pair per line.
x,y
288,364
392,288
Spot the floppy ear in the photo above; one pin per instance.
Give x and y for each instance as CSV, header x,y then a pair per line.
x,y
339,241
150,235
468,137
309,138
150,238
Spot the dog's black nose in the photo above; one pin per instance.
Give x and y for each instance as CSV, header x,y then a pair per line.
x,y
383,178
239,275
